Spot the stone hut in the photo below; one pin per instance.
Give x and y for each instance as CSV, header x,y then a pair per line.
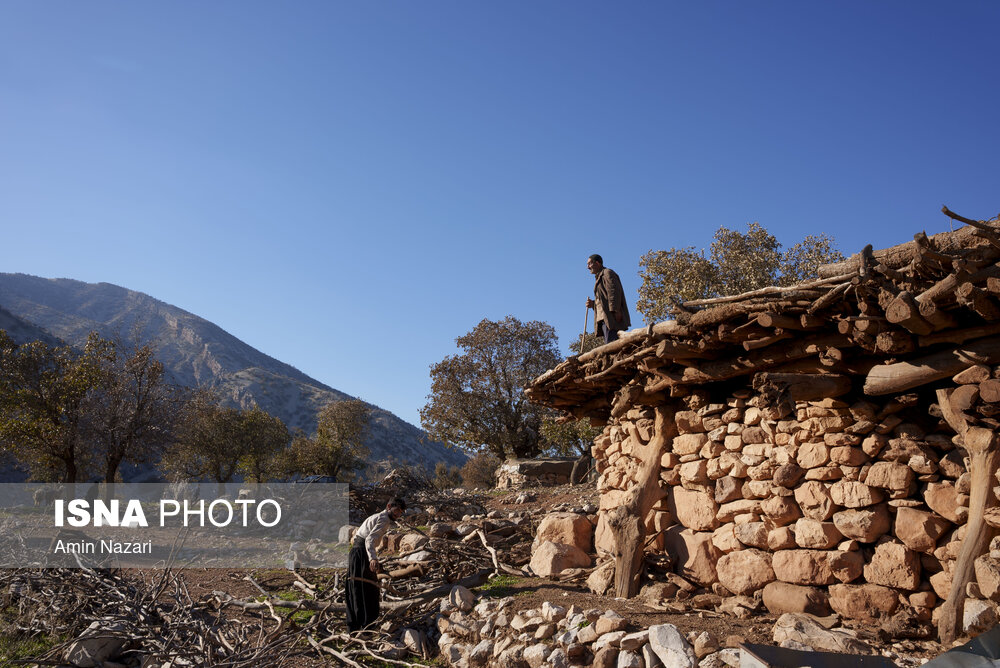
x,y
836,437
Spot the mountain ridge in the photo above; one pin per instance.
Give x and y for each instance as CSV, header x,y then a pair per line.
x,y
198,353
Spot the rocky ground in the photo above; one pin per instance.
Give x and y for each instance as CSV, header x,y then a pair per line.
x,y
517,619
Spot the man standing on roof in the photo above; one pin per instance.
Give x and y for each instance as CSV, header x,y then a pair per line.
x,y
361,591
611,311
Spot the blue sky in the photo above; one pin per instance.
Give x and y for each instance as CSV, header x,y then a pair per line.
x,y
348,186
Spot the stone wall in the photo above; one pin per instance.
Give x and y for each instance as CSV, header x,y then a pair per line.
x,y
544,471
864,500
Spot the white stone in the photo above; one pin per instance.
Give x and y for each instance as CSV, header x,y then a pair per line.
x,y
649,657
634,641
481,653
978,615
558,658
536,655
671,647
552,613
612,639
462,598
629,659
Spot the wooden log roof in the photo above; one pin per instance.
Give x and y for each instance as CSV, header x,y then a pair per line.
x,y
886,320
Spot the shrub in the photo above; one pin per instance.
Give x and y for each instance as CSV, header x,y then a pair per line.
x,y
480,471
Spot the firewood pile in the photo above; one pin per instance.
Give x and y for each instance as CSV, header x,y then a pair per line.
x,y
293,618
836,435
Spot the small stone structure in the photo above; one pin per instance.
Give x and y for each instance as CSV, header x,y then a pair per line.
x,y
836,437
544,471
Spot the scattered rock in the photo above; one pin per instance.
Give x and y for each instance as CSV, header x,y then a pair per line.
x,y
806,630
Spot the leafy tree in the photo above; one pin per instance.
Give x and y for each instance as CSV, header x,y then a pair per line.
x,y
447,477
338,449
480,471
477,401
586,343
260,437
131,409
215,442
737,262
42,394
569,438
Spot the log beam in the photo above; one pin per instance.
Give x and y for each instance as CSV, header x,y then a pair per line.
x,y
902,376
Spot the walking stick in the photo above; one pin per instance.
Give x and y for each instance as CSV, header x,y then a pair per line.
x,y
586,323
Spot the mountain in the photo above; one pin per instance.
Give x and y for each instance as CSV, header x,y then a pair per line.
x,y
197,353
22,331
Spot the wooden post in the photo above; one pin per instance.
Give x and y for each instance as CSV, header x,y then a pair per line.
x,y
981,445
626,522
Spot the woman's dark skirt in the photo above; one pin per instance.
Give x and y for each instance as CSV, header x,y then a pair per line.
x,y
362,597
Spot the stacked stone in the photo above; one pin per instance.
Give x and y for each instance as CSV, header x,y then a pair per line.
x,y
862,502
548,472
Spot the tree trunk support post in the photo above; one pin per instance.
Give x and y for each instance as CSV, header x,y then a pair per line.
x,y
981,446
627,521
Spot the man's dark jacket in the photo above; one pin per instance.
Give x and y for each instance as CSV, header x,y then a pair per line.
x,y
609,296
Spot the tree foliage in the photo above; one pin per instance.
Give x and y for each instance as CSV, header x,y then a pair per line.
x,y
447,477
129,414
215,442
260,438
568,439
587,342
42,394
480,472
736,262
338,448
477,401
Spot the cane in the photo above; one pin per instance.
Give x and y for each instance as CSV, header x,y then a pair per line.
x,y
586,323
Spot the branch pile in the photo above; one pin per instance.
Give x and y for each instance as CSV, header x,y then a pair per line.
x,y
151,618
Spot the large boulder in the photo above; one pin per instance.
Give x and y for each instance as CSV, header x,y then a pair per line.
x,y
695,510
695,554
781,510
745,571
671,647
782,597
816,535
866,602
894,565
816,567
942,498
805,630
855,494
919,529
863,524
893,476
814,500
988,576
565,528
550,559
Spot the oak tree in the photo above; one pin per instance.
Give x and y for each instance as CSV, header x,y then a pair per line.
x,y
215,442
130,411
736,262
338,448
43,390
477,401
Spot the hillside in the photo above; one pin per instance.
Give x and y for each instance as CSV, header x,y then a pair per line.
x,y
197,353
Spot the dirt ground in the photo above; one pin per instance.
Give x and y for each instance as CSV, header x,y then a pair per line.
x,y
529,593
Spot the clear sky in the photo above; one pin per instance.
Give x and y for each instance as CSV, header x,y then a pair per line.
x,y
348,186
